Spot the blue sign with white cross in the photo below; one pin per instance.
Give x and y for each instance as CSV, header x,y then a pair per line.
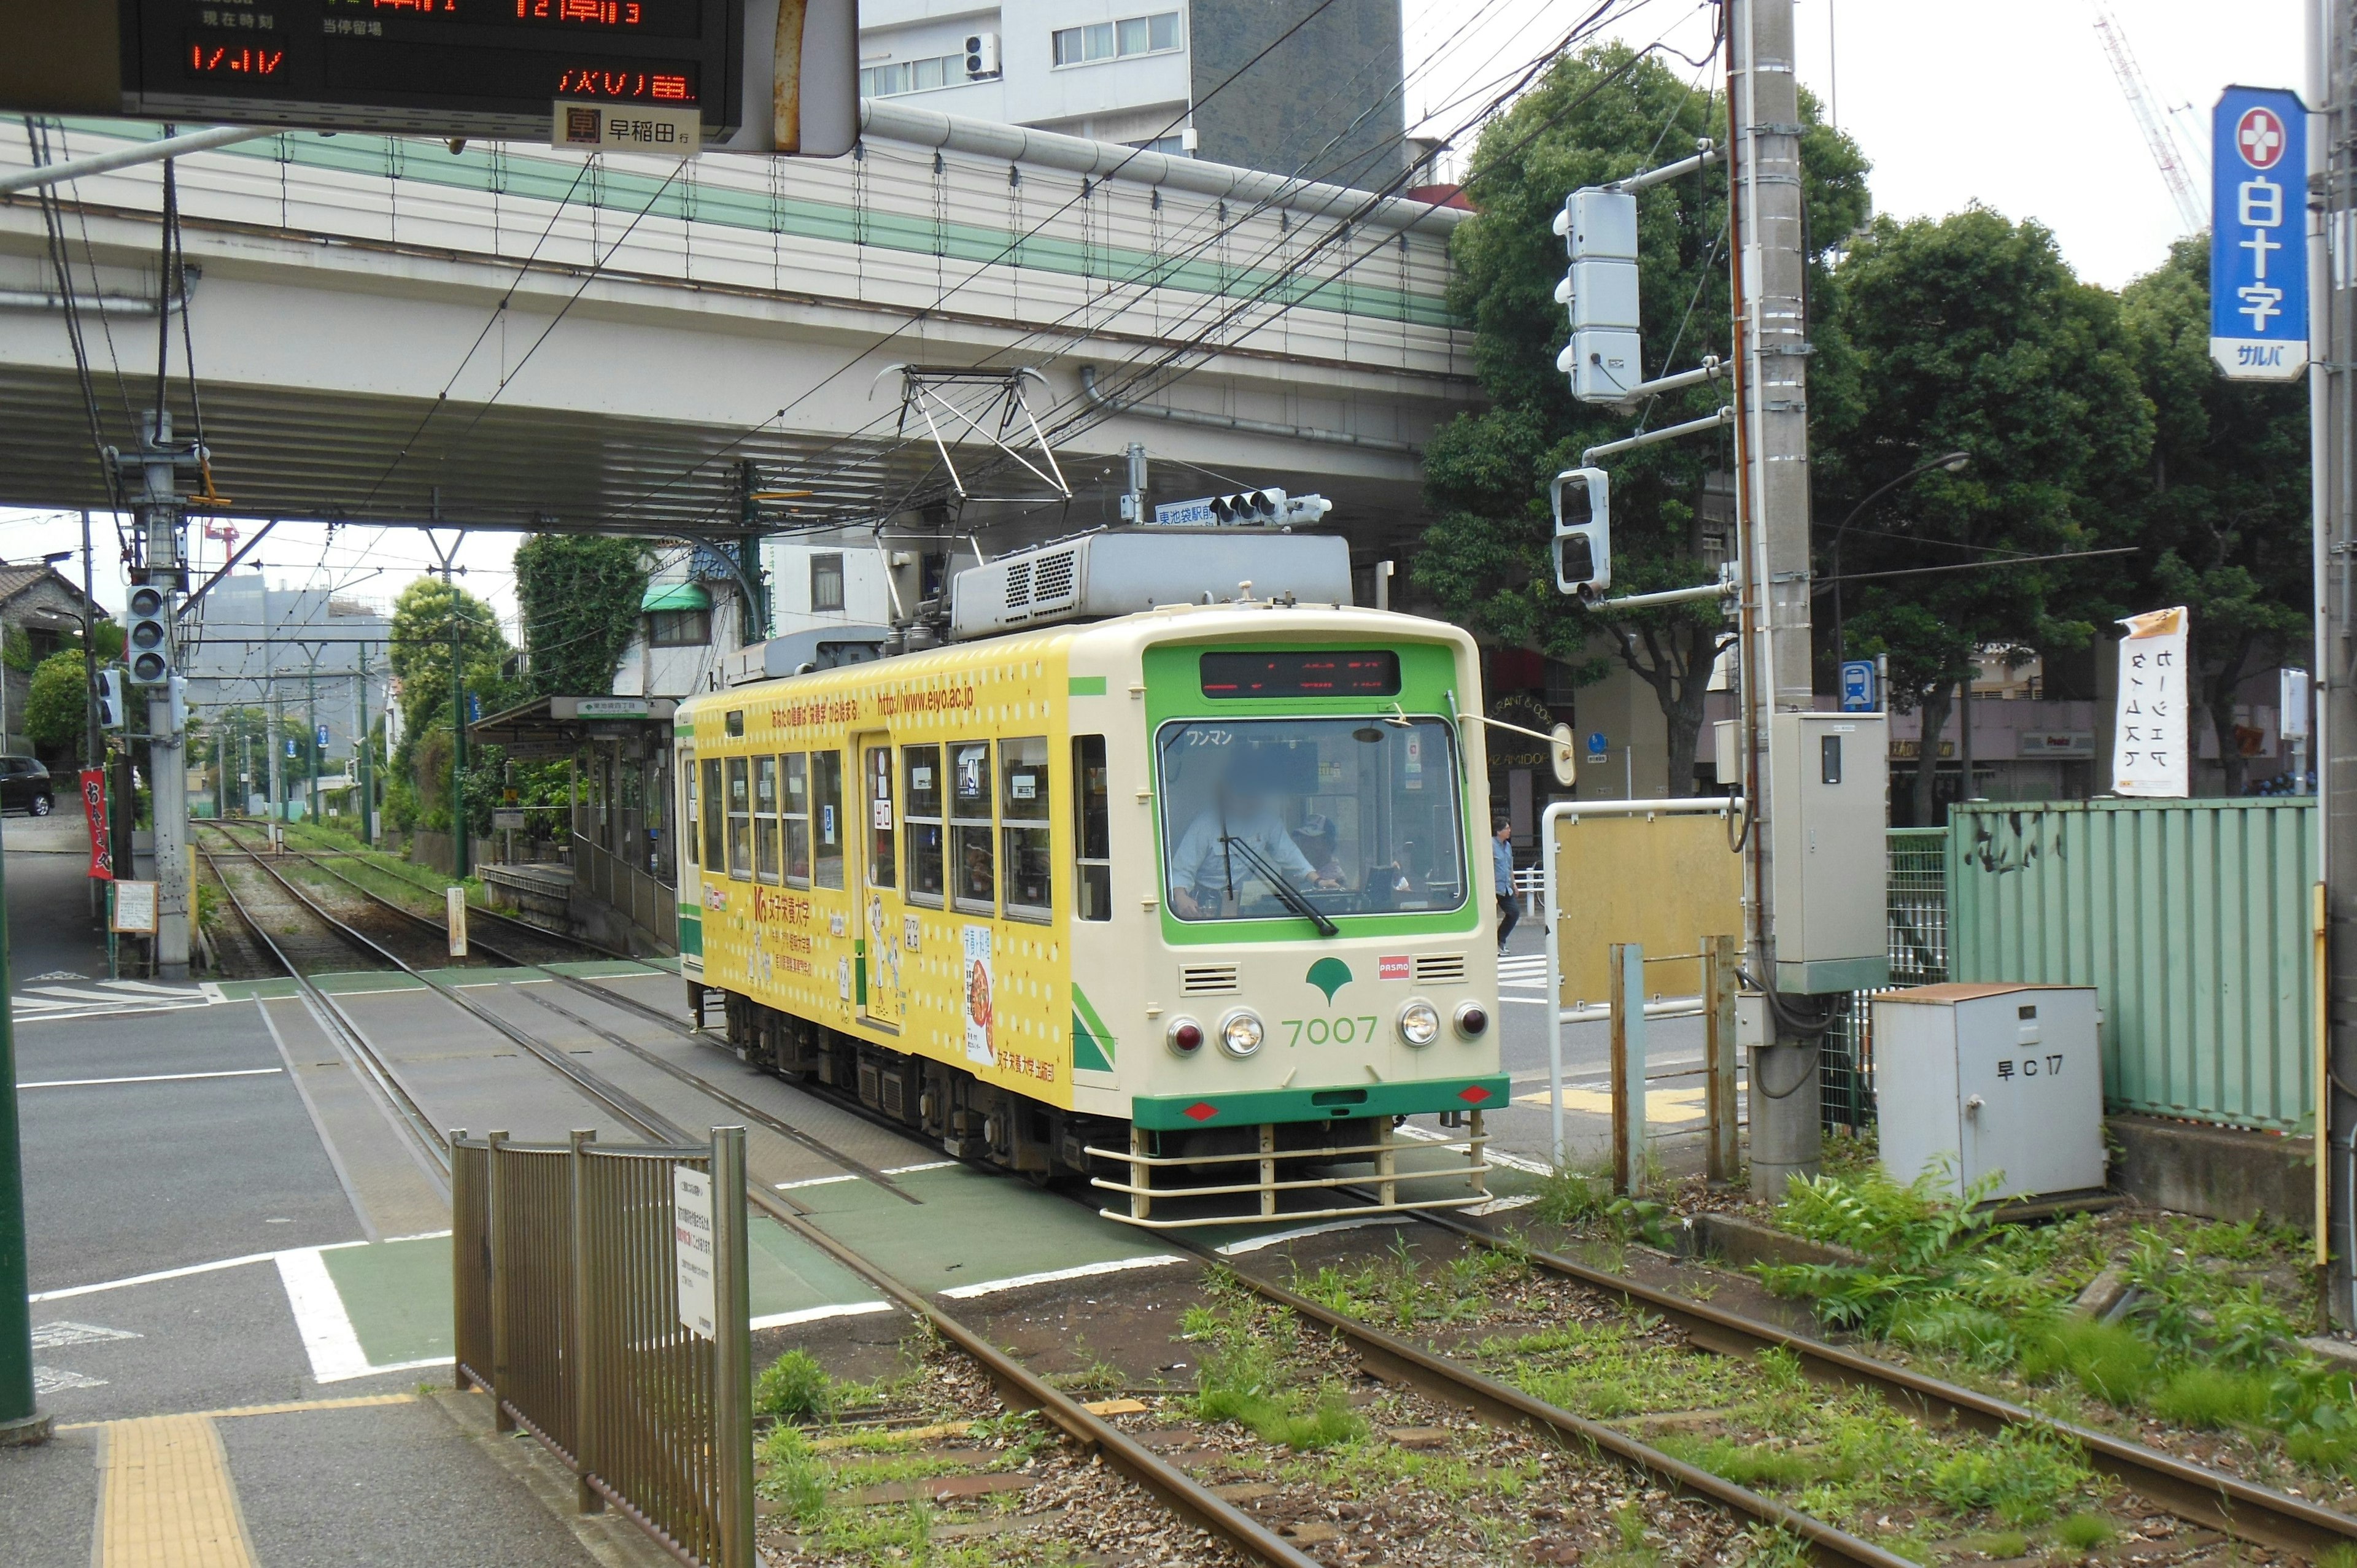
x,y
2258,234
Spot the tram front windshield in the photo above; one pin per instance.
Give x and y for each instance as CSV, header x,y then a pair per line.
x,y
1355,815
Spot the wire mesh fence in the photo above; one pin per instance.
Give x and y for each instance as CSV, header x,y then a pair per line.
x,y
569,1265
1916,924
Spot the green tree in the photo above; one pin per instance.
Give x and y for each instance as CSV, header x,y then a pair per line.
x,y
432,619
1971,333
57,712
2226,503
1597,116
580,596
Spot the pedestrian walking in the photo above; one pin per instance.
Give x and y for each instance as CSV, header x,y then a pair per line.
x,y
1501,855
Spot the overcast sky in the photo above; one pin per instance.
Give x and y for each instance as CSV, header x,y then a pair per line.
x,y
2007,102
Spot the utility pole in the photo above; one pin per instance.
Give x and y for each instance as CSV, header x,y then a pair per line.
x,y
271,723
2332,429
311,731
162,564
1772,452
367,749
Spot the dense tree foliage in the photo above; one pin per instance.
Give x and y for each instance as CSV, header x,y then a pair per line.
x,y
1603,114
580,596
56,713
431,621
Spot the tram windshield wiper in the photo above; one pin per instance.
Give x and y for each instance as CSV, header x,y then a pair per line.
x,y
1288,894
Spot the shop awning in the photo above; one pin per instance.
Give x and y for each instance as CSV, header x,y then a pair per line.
x,y
675,596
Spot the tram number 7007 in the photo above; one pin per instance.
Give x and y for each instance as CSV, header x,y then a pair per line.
x,y
1341,1031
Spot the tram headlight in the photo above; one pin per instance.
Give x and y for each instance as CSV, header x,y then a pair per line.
x,y
1241,1033
1185,1036
1472,1020
1419,1023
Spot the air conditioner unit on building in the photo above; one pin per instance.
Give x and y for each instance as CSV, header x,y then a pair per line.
x,y
980,55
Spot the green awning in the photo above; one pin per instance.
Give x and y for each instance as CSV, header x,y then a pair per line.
x,y
675,596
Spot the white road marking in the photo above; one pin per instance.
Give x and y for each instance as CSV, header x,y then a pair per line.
x,y
74,993
50,1380
1499,1205
328,1337
370,1371
151,1078
50,1335
1494,1154
814,1313
911,1170
1086,1271
179,1274
1278,1237
816,1181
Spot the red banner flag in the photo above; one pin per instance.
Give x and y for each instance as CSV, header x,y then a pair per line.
x,y
93,806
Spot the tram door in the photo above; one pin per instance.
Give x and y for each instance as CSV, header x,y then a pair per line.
x,y
879,895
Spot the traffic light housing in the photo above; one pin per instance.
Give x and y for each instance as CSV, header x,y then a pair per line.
x,y
112,711
1605,357
1249,505
147,635
1582,499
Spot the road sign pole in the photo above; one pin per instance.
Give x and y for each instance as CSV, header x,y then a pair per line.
x,y
20,1422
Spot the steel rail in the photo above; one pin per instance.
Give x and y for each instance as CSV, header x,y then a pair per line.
x,y
774,1124
2194,1492
347,1034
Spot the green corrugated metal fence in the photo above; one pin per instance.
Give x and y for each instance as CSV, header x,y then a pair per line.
x,y
2189,916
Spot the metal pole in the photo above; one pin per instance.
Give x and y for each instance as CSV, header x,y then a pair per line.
x,y
1772,446
148,153
311,736
368,753
20,1422
495,1228
581,1363
1723,1159
276,720
1627,1069
732,1348
458,744
1548,850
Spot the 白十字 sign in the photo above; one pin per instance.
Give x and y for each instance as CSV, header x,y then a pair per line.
x,y
2258,248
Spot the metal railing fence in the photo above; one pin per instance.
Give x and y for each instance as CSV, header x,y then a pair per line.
x,y
566,1297
1916,924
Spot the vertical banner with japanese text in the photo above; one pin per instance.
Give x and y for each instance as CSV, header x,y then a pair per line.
x,y
2258,250
94,808
2148,747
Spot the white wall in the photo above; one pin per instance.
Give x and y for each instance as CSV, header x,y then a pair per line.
x,y
1106,98
866,598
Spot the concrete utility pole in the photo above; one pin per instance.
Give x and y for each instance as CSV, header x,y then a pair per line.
x,y
2333,403
311,731
360,739
271,741
1772,452
163,562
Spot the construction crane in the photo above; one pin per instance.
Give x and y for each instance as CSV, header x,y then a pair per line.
x,y
2157,136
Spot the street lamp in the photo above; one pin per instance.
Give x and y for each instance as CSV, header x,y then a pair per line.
x,y
1952,462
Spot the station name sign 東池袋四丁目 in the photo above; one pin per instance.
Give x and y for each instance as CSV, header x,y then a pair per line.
x,y
2258,228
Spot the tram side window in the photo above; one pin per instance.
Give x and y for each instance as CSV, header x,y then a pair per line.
x,y
740,822
1093,828
921,815
1023,811
687,814
973,869
880,858
827,827
796,784
713,858
765,818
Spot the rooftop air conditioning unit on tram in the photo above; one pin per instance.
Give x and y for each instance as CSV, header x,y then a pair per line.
x,y
1098,576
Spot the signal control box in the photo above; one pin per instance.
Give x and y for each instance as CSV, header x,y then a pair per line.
x,y
1828,789
2001,1083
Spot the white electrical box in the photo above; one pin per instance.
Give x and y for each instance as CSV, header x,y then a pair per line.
x,y
2001,1080
1829,778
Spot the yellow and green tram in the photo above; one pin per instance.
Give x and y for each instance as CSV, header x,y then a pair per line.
x,y
1192,901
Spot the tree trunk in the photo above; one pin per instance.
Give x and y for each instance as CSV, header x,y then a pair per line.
x,y
2218,695
1934,709
1677,666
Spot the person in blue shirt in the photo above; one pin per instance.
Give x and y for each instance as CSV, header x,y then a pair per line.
x,y
1501,855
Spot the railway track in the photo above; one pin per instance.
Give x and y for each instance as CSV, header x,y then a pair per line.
x,y
2212,1499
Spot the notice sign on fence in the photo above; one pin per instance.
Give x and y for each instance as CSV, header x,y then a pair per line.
x,y
691,1243
2149,754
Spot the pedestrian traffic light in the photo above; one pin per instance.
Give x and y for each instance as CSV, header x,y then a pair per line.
x,y
112,709
147,635
1605,356
1582,499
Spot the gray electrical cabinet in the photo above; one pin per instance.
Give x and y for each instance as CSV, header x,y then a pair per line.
x,y
1991,1079
1829,778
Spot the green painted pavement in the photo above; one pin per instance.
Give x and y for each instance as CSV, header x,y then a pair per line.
x,y
970,1229
397,1294
789,1275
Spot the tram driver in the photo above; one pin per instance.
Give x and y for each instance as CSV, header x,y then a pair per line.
x,y
1204,868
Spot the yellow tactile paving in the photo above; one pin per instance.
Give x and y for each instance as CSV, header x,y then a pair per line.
x,y
291,1407
165,1498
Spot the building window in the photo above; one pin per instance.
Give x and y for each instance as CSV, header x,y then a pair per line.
x,y
826,581
740,822
1092,825
970,845
765,818
1173,145
881,860
1111,40
828,833
679,629
921,814
797,819
912,75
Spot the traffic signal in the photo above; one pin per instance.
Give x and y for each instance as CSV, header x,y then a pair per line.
x,y
1582,530
1249,505
112,710
1605,356
147,635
